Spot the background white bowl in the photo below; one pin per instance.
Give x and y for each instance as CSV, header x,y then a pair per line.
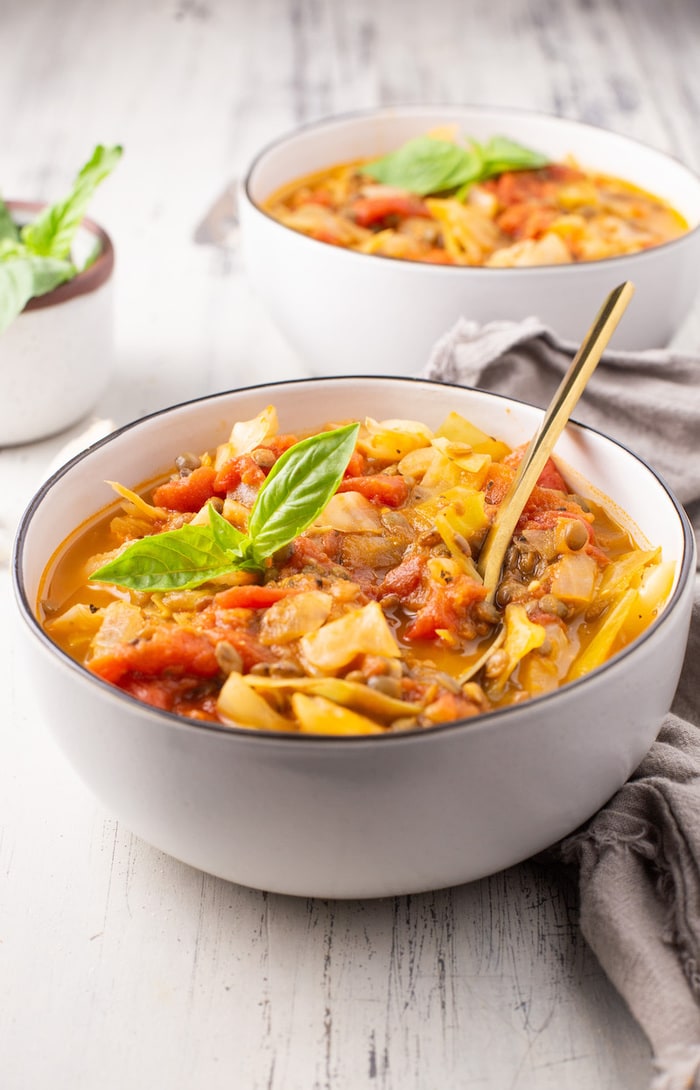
x,y
356,817
351,313
56,357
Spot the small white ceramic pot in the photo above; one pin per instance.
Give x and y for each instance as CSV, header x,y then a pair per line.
x,y
56,356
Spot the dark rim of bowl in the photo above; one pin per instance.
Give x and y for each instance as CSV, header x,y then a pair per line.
x,y
86,281
484,721
467,270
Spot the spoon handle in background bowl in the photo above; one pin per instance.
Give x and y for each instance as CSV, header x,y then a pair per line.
x,y
543,441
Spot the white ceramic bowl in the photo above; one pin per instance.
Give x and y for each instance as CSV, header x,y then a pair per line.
x,y
56,356
355,817
351,313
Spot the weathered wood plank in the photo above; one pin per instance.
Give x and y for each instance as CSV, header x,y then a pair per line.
x,y
130,968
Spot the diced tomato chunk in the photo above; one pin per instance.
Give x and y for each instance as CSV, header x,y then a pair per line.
x,y
498,480
436,613
524,220
380,488
521,186
156,692
320,552
450,706
279,443
546,518
175,651
187,493
326,234
444,608
357,465
550,477
403,579
184,696
563,172
370,210
545,506
251,596
323,197
239,470
249,648
436,256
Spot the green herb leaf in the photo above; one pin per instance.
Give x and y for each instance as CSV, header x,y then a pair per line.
x,y
8,227
425,165
294,493
51,233
226,536
23,275
501,154
297,489
470,169
174,560
16,285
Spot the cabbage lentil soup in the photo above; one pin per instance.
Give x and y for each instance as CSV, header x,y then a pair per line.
x,y
497,205
329,585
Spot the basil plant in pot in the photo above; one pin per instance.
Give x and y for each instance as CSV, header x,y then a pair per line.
x,y
55,308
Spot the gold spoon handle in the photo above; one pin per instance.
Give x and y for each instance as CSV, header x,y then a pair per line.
x,y
543,441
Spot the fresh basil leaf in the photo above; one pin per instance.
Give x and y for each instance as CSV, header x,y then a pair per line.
x,y
297,489
16,283
49,272
501,154
174,560
8,227
51,233
423,165
10,247
468,171
226,536
22,276
237,546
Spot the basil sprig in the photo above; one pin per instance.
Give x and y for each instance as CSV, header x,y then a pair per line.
x,y
293,495
36,258
426,165
51,234
176,559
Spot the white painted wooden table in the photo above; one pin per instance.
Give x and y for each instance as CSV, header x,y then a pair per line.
x,y
120,967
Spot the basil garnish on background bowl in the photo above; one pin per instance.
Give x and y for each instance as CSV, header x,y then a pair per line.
x,y
428,165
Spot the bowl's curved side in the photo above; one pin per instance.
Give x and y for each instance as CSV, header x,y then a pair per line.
x,y
356,817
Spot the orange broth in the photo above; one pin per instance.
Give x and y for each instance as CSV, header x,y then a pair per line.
x,y
374,618
558,214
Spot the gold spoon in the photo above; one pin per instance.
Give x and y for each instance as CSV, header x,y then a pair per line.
x,y
543,441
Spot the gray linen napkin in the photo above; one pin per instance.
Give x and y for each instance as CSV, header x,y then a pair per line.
x,y
638,858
